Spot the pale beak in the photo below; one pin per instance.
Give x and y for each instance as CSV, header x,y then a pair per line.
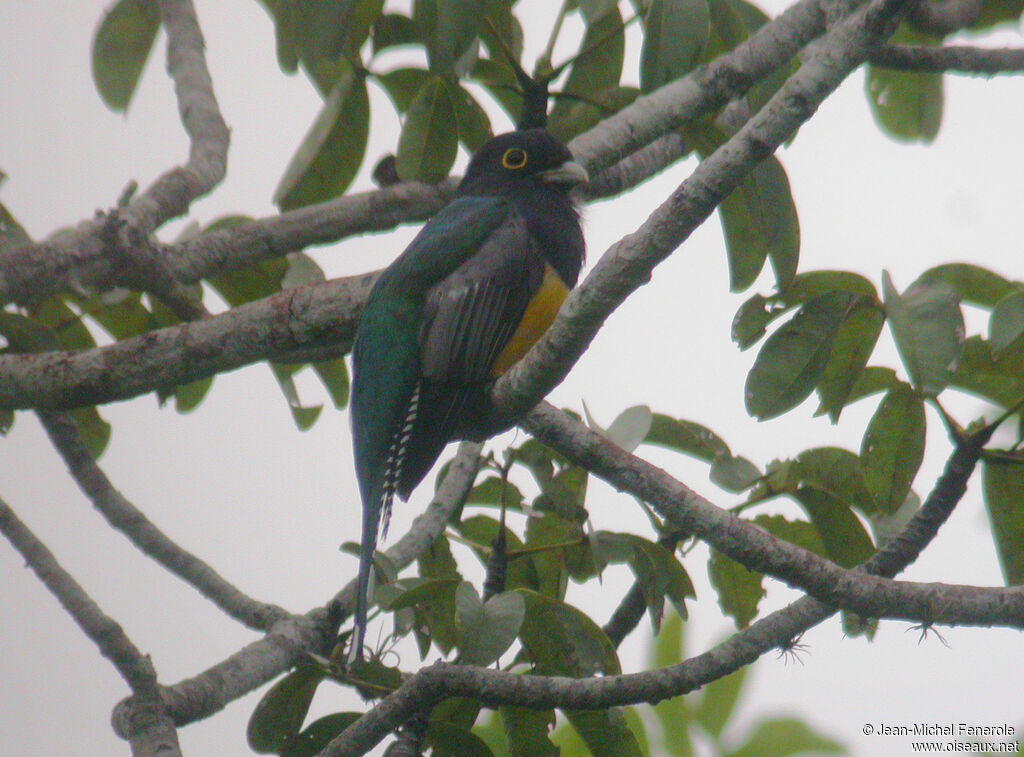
x,y
569,172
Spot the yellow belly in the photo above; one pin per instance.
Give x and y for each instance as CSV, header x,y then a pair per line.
x,y
538,317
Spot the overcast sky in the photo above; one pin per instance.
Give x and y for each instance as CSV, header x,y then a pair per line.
x,y
267,505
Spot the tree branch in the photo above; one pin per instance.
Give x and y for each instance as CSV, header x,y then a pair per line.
x,y
291,639
776,630
152,731
73,260
943,17
758,550
276,327
130,521
186,353
953,58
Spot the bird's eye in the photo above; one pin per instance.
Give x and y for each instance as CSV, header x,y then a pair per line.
x,y
514,158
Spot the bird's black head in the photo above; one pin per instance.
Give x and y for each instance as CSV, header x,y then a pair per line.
x,y
519,159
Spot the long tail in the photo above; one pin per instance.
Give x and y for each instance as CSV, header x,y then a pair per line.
x,y
376,515
371,519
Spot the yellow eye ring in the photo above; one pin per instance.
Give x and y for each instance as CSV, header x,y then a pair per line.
x,y
514,158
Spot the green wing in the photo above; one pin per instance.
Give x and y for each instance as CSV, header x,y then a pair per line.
x,y
469,318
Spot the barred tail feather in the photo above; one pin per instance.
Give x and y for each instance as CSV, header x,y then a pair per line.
x,y
375,521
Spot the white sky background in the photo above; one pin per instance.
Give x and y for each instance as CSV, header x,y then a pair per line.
x,y
267,506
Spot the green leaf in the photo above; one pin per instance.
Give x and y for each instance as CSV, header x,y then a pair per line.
x,y
428,143
798,532
783,737
460,711
929,331
687,437
997,378
187,397
718,700
596,70
835,471
449,28
793,359
416,591
527,731
6,420
734,474
759,217
332,151
583,115
95,431
473,124
394,30
727,29
893,447
120,48
852,346
973,285
753,317
402,84
304,416
739,589
301,270
886,525
592,10
279,714
995,12
448,740
1007,322
872,380
673,714
486,629
334,376
438,562
496,491
12,233
561,640
318,734
1003,482
605,732
842,534
675,35
907,105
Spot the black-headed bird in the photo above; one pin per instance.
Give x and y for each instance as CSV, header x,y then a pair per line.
x,y
475,289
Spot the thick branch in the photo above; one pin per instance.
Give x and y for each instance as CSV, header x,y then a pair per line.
x,y
954,58
130,521
272,328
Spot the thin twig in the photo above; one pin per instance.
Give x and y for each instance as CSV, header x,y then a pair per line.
x,y
150,730
129,520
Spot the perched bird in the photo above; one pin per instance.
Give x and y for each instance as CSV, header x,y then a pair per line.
x,y
479,284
